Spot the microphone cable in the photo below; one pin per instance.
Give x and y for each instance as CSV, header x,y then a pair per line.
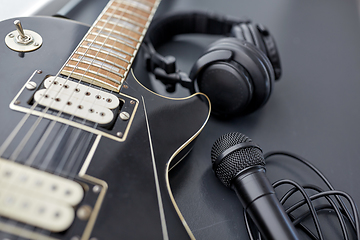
x,y
336,205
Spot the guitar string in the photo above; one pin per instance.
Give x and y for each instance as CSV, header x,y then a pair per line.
x,y
21,123
89,66
9,221
81,148
20,147
44,165
120,18
25,118
9,184
78,131
81,80
45,110
104,24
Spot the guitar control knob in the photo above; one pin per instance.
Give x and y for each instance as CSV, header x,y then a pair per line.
x,y
23,40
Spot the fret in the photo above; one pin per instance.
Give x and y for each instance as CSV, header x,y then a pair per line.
x,y
137,4
127,21
117,19
92,79
105,55
143,13
97,70
96,63
110,48
121,29
90,72
113,39
128,26
97,59
130,12
115,34
124,15
149,3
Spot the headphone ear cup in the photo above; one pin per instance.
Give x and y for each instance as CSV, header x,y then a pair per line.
x,y
242,84
228,86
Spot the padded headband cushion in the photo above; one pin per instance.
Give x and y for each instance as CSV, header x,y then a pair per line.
x,y
163,29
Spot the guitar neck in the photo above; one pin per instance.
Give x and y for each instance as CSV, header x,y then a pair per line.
x,y
106,53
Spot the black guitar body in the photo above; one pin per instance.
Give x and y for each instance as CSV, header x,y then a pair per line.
x,y
122,167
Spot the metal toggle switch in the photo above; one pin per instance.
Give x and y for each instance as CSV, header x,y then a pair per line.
x,y
23,40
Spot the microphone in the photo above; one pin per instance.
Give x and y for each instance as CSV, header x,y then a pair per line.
x,y
239,164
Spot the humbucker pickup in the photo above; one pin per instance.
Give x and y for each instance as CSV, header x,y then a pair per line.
x,y
77,99
36,197
77,104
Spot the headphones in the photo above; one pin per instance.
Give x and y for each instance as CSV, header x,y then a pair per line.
x,y
236,72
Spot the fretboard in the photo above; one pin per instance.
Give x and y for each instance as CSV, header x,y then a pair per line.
x,y
104,56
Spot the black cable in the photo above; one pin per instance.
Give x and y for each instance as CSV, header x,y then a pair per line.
x,y
317,171
334,206
248,228
328,193
318,208
292,218
297,221
321,175
306,200
337,206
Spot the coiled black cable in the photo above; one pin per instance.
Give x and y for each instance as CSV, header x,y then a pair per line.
x,y
338,207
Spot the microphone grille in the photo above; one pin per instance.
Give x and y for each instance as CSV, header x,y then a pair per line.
x,y
233,163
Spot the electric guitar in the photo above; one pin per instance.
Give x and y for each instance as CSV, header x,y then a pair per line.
x,y
85,148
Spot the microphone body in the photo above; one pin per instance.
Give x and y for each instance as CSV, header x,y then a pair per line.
x,y
239,164
258,198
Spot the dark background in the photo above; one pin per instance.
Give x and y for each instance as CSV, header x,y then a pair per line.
x,y
313,111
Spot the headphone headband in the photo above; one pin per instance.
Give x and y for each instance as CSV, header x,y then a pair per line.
x,y
165,28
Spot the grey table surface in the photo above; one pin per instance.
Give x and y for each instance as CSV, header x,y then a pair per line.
x,y
313,111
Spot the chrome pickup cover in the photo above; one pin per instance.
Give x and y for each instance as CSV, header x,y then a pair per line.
x,y
36,197
77,99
